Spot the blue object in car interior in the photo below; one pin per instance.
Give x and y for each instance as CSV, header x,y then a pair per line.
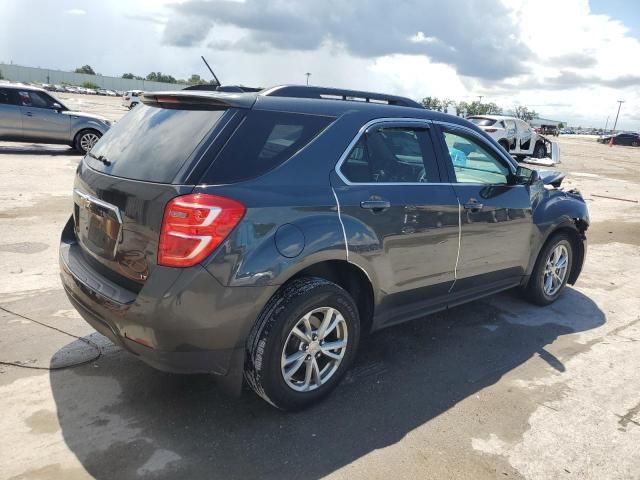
x,y
458,158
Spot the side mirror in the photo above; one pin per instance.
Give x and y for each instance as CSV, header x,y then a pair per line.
x,y
526,176
57,107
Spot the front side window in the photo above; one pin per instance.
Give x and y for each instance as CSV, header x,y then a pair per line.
x,y
392,155
473,162
30,98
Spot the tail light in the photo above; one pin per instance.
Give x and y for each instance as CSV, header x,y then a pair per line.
x,y
193,226
490,130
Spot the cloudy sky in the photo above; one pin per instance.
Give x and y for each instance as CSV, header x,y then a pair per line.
x,y
567,59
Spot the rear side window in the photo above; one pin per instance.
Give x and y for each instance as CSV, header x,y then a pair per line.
x,y
8,96
263,141
482,122
151,143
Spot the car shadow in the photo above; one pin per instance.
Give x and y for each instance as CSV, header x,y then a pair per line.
x,y
122,418
37,149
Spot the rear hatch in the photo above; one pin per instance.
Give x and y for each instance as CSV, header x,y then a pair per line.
x,y
123,185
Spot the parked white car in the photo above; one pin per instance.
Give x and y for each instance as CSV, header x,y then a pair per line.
x,y
130,99
517,137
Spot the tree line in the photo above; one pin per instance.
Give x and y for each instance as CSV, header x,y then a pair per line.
x,y
195,79
476,107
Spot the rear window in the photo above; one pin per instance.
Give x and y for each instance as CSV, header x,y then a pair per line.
x,y
482,122
151,143
263,141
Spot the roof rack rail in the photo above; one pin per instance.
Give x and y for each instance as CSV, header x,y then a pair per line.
x,y
302,91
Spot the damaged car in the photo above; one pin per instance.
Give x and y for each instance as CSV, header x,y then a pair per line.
x,y
259,236
519,139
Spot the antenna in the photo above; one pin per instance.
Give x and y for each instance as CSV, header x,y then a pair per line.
x,y
214,75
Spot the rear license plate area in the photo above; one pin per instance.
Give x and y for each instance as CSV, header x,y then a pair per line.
x,y
98,225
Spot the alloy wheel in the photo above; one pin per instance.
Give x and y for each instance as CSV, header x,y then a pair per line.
x,y
314,349
555,270
88,140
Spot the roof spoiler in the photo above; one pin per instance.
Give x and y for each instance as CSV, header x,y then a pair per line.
x,y
198,99
302,91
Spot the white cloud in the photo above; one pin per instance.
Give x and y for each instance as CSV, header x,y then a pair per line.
x,y
583,61
563,61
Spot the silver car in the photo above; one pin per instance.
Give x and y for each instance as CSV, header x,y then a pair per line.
x,y
30,114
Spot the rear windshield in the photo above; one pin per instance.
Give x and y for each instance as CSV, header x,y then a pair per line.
x,y
151,143
482,122
263,141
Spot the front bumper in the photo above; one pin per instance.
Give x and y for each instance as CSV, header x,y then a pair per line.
x,y
182,320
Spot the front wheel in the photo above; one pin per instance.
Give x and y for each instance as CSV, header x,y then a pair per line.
x,y
86,139
303,343
551,272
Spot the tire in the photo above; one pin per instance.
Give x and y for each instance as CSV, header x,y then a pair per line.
x,y
540,151
536,290
85,140
634,144
504,144
272,343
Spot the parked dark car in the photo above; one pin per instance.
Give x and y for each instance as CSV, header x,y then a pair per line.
x,y
630,139
262,234
29,114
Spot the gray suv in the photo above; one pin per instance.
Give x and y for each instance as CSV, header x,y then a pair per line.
x,y
260,235
29,114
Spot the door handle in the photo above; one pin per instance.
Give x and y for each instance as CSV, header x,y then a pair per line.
x,y
376,205
473,205
29,114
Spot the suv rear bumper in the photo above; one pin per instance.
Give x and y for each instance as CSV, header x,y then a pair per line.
x,y
181,321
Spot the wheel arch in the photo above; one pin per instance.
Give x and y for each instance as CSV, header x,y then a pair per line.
x,y
350,277
575,230
82,130
504,143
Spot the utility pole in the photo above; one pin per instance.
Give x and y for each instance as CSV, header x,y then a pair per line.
x,y
606,124
620,102
308,75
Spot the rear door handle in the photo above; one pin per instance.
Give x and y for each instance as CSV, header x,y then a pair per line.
x,y
473,205
375,205
29,114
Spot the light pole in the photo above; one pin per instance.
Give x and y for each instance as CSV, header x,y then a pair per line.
x,y
480,97
606,124
308,75
620,102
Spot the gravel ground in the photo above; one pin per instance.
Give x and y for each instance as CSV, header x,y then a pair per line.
x,y
494,389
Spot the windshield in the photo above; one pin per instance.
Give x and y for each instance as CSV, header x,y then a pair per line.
x,y
151,143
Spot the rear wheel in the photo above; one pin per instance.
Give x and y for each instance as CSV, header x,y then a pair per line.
x,y
551,272
85,140
504,144
303,343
